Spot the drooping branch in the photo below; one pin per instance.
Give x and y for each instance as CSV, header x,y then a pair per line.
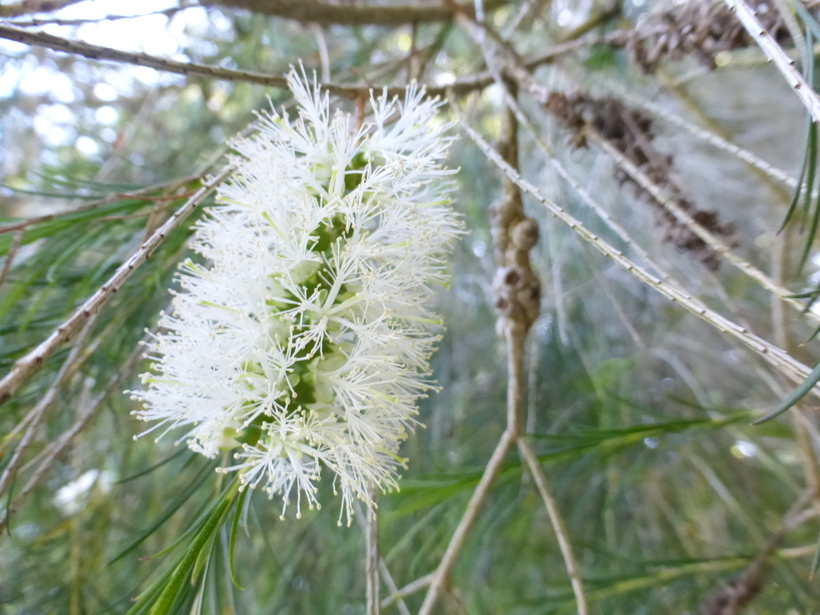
x,y
357,13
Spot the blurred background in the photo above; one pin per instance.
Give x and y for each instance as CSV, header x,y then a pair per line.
x,y
639,411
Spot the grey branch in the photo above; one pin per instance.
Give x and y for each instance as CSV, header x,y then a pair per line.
x,y
96,52
32,361
466,84
357,13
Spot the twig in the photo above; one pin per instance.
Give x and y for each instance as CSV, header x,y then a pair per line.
x,y
517,299
557,523
775,356
516,390
409,589
775,54
391,585
466,523
372,559
508,222
58,448
15,245
682,216
32,361
513,277
732,596
96,52
38,413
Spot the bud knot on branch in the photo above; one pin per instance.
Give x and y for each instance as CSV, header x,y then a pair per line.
x,y
516,287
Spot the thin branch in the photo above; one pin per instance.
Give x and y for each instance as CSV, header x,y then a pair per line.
x,y
359,13
96,52
467,83
513,254
775,54
394,590
442,573
372,559
32,361
516,393
409,589
513,277
744,587
775,356
15,245
59,447
38,413
517,294
557,522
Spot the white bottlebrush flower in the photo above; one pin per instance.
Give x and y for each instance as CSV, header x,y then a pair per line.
x,y
304,340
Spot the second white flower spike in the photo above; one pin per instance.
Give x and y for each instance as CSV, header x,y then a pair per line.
x,y
304,340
